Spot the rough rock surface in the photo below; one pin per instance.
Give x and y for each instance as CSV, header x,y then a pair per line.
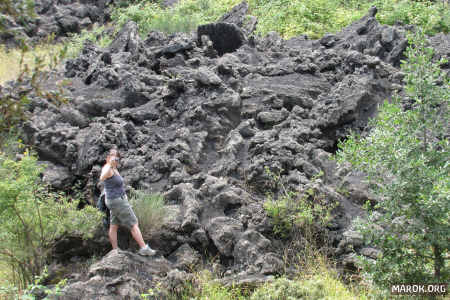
x,y
199,123
118,275
57,17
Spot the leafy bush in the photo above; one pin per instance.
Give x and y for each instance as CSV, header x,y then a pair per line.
x,y
149,209
406,159
32,218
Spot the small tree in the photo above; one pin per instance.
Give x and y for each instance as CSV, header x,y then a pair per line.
x,y
32,218
406,159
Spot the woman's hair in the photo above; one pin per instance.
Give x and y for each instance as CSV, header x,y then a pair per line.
x,y
114,151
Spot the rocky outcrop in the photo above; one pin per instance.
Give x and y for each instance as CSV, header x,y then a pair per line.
x,y
118,275
53,17
238,16
200,123
366,36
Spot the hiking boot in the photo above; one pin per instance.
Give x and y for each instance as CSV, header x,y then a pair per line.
x,y
146,251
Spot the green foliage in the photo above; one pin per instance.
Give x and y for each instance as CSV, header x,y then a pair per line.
x,y
150,16
12,112
317,17
203,286
406,159
13,61
97,35
292,210
149,209
287,17
11,292
183,17
431,16
319,281
11,144
32,218
323,286
280,289
311,17
21,10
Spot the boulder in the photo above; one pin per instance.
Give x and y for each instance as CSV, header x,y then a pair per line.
x,y
127,40
238,15
185,258
119,275
226,37
224,232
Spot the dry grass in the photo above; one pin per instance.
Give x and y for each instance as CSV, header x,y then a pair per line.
x,y
149,209
10,67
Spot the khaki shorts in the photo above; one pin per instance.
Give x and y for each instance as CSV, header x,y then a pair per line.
x,y
121,212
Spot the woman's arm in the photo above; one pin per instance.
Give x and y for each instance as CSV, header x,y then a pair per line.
x,y
106,172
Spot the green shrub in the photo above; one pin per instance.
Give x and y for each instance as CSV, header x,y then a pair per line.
x,y
32,218
149,209
406,159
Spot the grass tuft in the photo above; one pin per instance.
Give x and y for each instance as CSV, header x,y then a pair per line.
x,y
149,209
97,34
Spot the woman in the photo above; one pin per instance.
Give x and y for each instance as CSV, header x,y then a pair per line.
x,y
117,202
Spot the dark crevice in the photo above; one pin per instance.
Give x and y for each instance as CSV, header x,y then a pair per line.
x,y
231,208
334,148
157,67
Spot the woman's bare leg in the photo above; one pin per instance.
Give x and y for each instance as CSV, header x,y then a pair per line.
x,y
137,235
113,235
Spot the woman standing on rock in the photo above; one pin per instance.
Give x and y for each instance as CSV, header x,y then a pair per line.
x,y
117,202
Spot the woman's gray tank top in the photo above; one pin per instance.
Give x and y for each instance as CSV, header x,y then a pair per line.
x,y
114,187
